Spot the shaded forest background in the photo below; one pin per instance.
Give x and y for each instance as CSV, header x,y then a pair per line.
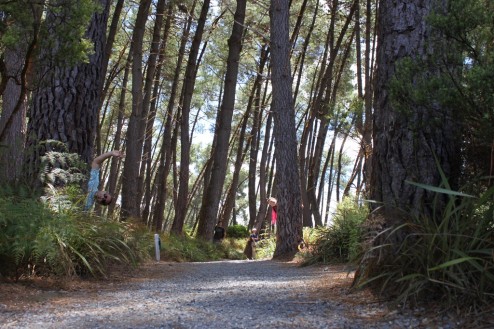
x,y
220,104
159,79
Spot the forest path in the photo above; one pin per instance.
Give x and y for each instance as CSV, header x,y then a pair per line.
x,y
224,294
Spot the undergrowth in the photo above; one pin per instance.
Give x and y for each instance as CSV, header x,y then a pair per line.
x,y
341,241
188,249
448,258
40,238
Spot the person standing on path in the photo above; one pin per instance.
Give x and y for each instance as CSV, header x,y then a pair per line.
x,y
250,248
102,197
273,203
219,232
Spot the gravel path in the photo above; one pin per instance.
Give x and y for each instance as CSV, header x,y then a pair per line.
x,y
227,294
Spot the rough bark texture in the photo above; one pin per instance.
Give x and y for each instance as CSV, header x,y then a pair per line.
x,y
13,110
407,142
169,139
287,177
66,104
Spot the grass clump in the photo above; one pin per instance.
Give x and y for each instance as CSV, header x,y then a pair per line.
x,y
449,257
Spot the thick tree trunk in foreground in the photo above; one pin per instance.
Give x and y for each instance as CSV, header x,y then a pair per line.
x,y
65,107
407,141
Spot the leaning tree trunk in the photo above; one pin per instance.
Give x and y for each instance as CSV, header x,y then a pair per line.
x,y
211,199
287,178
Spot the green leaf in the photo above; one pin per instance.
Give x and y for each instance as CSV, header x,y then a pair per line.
x,y
453,262
439,189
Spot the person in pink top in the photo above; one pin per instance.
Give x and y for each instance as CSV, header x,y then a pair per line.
x,y
274,210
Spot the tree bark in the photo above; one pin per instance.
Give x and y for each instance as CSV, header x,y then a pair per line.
x,y
407,143
168,143
13,117
150,101
131,202
289,222
208,215
65,107
188,90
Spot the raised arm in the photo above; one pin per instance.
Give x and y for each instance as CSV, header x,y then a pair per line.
x,y
100,158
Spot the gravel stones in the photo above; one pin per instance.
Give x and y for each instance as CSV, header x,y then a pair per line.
x,y
225,294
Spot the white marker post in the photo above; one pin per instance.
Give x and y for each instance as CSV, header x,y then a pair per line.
x,y
157,246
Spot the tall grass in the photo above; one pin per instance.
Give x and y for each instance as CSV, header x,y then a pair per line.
x,y
450,257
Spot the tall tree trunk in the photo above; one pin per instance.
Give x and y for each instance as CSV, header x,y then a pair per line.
x,y
227,209
13,117
306,213
211,198
366,144
260,95
115,163
188,90
150,101
169,141
325,100
254,100
131,202
112,32
16,69
289,222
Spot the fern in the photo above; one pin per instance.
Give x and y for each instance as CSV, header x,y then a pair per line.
x,y
62,240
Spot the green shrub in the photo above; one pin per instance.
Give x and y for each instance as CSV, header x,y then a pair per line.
x,y
81,245
40,238
341,241
237,231
188,249
265,247
20,221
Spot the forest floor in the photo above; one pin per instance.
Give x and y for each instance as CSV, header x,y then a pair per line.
x,y
319,287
